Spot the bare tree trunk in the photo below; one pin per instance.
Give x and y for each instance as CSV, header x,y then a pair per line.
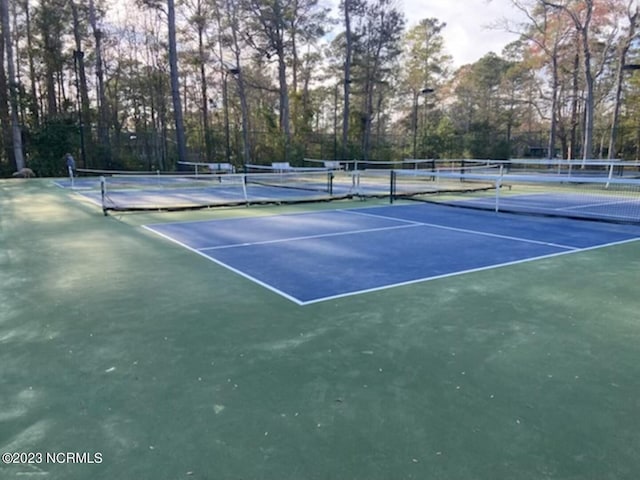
x,y
622,55
284,101
582,28
175,83
551,149
17,55
35,110
50,53
238,73
244,108
224,81
379,125
16,133
103,107
202,57
84,110
294,66
571,154
347,76
5,118
587,151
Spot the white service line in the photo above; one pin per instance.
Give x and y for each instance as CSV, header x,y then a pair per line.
x,y
229,267
475,232
309,237
407,223
462,272
600,204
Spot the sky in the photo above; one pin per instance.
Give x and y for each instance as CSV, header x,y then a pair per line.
x,y
466,35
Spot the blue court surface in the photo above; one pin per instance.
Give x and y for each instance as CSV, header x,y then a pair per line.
x,y
311,257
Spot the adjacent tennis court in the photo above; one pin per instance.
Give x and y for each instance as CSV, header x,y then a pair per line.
x,y
319,256
604,191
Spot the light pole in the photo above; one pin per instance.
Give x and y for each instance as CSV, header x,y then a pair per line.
x,y
225,105
78,55
335,121
424,91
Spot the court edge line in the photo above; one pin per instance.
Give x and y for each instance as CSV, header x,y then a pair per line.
x,y
477,232
617,202
424,279
307,212
228,267
309,237
385,287
530,208
462,272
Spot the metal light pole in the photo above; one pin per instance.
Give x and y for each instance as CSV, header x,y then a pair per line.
x,y
225,106
424,91
225,103
77,56
335,121
414,121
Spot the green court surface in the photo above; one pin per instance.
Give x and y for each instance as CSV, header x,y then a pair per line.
x,y
118,342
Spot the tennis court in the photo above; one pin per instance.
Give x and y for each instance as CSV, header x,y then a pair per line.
x,y
331,340
603,191
319,256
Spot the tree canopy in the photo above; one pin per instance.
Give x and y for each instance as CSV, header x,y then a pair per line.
x,y
258,81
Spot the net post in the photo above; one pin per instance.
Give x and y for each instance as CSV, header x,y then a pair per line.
x,y
609,176
244,187
330,182
392,186
498,187
103,194
355,181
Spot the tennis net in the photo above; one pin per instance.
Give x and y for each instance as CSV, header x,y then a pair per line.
x,y
572,168
384,165
207,167
284,176
185,192
592,197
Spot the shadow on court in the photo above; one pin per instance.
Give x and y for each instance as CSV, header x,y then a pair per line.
x,y
113,340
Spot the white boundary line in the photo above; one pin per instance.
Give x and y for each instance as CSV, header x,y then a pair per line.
x,y
570,250
616,202
530,208
229,267
476,232
309,237
462,272
268,215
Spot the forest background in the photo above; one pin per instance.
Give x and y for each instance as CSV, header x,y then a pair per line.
x,y
261,81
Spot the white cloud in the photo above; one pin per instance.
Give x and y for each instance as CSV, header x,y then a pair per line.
x,y
467,34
